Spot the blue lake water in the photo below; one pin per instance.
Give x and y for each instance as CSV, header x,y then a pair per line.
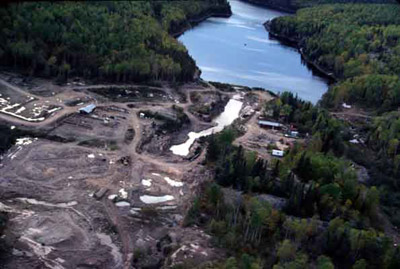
x,y
238,50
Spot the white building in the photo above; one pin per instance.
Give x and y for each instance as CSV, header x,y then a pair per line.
x,y
277,153
87,109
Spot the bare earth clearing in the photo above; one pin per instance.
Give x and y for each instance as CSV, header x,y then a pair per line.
x,y
104,190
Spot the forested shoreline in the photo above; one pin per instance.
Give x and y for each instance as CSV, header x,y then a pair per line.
x,y
292,6
313,65
331,218
112,41
362,51
369,51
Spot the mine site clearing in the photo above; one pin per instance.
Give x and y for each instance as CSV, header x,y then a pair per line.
x,y
103,184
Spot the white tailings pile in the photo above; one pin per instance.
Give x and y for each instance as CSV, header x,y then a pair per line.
x,y
227,117
148,199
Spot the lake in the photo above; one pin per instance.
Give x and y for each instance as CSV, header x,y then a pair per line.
x,y
238,50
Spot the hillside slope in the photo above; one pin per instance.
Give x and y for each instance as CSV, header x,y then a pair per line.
x,y
117,41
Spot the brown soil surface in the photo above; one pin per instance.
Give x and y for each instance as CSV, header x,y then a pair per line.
x,y
85,202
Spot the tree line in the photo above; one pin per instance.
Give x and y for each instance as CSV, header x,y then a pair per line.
x,y
329,218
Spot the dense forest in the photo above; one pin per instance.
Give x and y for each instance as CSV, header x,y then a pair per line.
x,y
118,41
359,44
293,5
329,219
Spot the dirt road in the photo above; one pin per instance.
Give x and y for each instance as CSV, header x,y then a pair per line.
x,y
63,172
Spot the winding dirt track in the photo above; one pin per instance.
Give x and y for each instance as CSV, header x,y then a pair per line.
x,y
177,168
162,164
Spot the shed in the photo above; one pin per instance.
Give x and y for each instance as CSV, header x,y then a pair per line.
x,y
269,124
277,153
87,109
